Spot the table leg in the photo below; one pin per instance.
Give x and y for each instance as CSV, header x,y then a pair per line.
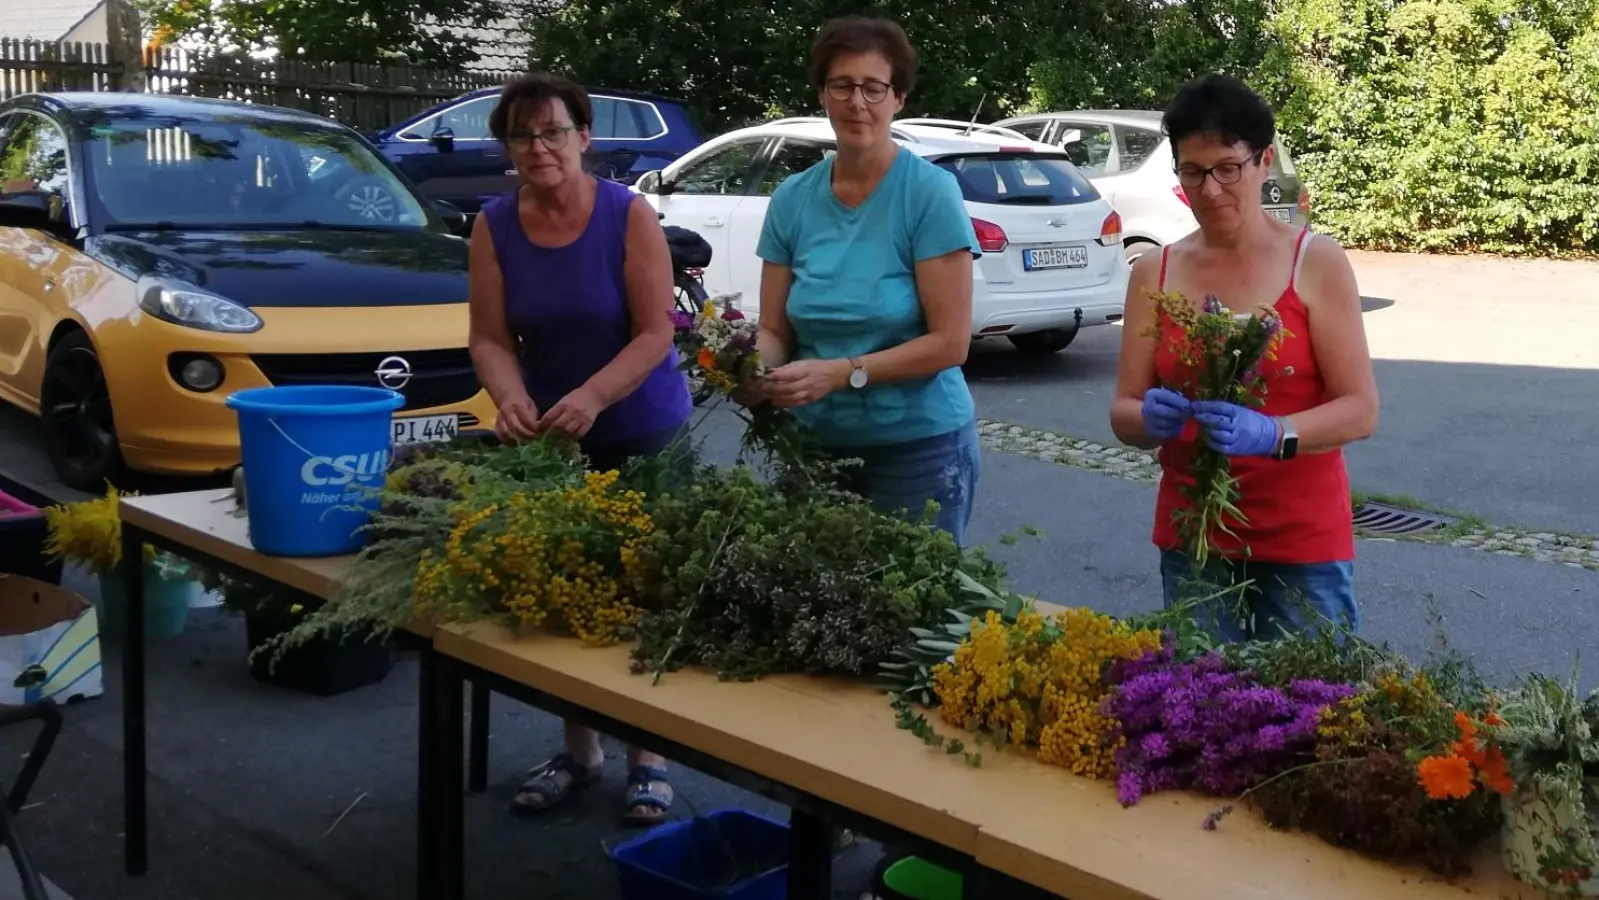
x,y
810,862
135,814
427,777
449,713
477,767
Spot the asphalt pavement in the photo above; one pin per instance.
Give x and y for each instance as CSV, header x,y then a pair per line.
x,y
1487,370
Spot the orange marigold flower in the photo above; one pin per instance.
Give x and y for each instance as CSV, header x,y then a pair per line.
x,y
707,359
1446,777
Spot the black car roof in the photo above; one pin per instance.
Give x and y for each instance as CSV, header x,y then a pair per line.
x,y
87,105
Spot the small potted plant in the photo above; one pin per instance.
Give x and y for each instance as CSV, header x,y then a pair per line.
x,y
324,665
1548,733
89,533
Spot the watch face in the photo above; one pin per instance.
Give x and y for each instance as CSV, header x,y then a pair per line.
x,y
857,379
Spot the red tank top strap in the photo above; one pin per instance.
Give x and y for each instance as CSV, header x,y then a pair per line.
x,y
1293,270
1160,285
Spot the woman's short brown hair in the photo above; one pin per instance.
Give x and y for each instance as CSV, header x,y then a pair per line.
x,y
533,91
859,34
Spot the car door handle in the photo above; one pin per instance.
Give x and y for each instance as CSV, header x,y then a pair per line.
x,y
510,171
714,222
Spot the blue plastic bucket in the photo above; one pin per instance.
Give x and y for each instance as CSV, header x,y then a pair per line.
x,y
728,855
166,604
314,458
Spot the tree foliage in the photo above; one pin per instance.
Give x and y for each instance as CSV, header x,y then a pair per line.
x,y
1445,124
1430,124
358,31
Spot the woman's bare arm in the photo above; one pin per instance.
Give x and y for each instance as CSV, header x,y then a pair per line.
x,y
1135,370
489,339
1338,338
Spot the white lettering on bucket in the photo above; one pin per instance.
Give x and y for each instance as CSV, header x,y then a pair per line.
x,y
320,471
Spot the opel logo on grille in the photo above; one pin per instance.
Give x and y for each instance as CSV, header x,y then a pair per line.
x,y
393,372
1275,193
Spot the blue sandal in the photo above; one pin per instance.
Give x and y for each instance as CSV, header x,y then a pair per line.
x,y
549,790
649,796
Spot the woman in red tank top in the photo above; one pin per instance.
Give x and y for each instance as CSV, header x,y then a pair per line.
x,y
1295,545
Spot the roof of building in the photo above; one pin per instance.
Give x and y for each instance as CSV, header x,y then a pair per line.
x,y
43,20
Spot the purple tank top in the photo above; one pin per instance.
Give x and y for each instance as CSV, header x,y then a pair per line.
x,y
568,309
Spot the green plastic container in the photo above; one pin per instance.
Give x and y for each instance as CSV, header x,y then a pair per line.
x,y
166,604
917,879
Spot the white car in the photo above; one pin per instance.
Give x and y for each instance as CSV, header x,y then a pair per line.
x,y
1052,254
1128,158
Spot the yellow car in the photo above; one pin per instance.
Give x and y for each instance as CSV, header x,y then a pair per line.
x,y
158,253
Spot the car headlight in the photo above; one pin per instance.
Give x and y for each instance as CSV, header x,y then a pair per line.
x,y
184,304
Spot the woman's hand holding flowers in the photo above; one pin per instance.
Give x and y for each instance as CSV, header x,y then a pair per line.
x,y
1165,413
1234,430
573,415
803,382
518,420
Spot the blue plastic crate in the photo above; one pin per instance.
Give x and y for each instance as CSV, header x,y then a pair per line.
x,y
694,859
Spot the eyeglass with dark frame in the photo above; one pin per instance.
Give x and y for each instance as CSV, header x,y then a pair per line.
x,y
1192,176
872,90
553,137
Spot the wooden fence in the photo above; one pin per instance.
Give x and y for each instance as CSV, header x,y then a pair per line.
x,y
363,97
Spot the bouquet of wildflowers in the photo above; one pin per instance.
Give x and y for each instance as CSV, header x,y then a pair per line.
x,y
718,348
1220,353
1205,725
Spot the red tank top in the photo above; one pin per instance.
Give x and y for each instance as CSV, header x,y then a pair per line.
x,y
1297,510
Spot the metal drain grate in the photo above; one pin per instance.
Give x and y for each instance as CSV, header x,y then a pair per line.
x,y
1381,518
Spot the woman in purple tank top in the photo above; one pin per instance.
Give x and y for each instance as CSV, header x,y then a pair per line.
x,y
571,294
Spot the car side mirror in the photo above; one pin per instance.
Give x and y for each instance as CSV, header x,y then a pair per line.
x,y
31,209
443,138
649,182
454,218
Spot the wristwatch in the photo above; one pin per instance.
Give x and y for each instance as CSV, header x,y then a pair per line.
x,y
857,375
1288,443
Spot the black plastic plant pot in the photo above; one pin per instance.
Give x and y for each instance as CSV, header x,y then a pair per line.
x,y
322,666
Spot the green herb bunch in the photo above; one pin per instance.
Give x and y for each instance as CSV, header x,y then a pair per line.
x,y
754,580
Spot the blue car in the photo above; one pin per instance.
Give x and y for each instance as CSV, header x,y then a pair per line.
x,y
448,154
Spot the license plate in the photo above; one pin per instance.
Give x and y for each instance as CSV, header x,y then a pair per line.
x,y
1054,258
426,430
1282,213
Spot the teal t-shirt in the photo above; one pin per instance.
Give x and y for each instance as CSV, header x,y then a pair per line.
x,y
854,292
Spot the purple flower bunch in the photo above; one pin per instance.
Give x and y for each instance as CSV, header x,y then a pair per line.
x,y
1205,726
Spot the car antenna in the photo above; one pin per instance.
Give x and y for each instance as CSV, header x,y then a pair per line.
x,y
973,123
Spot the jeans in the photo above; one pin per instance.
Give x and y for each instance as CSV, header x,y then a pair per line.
x,y
899,479
1283,597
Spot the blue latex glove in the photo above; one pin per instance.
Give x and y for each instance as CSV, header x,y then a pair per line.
x,y
1235,430
1165,413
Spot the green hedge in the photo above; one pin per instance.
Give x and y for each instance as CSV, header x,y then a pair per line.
x,y
1444,124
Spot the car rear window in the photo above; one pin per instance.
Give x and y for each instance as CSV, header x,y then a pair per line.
x,y
1019,178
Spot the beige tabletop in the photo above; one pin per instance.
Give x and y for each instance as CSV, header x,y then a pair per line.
x,y
203,520
837,740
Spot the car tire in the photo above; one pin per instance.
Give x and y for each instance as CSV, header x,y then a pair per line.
x,y
1044,343
1135,249
370,200
80,433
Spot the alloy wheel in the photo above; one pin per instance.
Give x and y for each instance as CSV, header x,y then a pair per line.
x,y
77,413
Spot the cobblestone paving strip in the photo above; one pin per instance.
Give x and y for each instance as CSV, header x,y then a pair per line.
x,y
1140,466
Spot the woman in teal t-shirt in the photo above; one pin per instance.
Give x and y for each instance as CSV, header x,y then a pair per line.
x,y
866,289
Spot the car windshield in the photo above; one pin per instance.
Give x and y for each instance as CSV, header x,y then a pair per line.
x,y
241,173
1019,178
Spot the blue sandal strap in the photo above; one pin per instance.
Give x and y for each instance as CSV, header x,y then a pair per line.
x,y
541,780
640,779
